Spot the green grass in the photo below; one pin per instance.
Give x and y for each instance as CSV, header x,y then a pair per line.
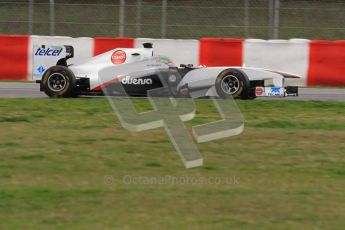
x,y
16,81
64,163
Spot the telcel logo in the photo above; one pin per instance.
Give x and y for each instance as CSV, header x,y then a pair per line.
x,y
47,52
136,81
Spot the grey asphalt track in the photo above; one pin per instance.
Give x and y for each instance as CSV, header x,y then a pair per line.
x,y
31,90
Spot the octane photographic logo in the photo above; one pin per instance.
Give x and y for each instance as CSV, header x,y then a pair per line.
x,y
171,112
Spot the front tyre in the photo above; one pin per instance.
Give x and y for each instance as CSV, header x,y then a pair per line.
x,y
59,81
232,83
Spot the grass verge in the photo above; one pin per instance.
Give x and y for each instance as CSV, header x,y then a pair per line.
x,y
68,164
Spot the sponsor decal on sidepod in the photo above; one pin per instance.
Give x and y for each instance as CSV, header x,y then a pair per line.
x,y
136,81
118,57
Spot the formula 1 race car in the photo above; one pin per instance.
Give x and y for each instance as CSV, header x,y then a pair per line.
x,y
137,71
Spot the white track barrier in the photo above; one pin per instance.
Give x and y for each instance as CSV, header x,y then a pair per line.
x,y
181,51
291,56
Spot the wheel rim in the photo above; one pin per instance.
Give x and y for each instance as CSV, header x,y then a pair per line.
x,y
230,84
57,82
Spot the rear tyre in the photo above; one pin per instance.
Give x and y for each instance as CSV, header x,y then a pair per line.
x,y
59,81
232,83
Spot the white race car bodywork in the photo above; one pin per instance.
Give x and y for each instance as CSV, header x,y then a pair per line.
x,y
92,68
204,77
117,64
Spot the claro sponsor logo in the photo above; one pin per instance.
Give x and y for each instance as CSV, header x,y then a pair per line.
x,y
118,57
48,52
136,81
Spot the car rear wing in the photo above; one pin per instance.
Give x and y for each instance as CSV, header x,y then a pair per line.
x,y
45,56
69,54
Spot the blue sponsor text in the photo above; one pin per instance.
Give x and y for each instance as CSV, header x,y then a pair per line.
x,y
48,52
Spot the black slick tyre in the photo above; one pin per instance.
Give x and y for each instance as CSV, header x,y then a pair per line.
x,y
232,83
59,81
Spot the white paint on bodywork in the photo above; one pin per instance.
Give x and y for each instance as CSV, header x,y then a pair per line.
x,y
260,74
92,67
201,77
204,77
